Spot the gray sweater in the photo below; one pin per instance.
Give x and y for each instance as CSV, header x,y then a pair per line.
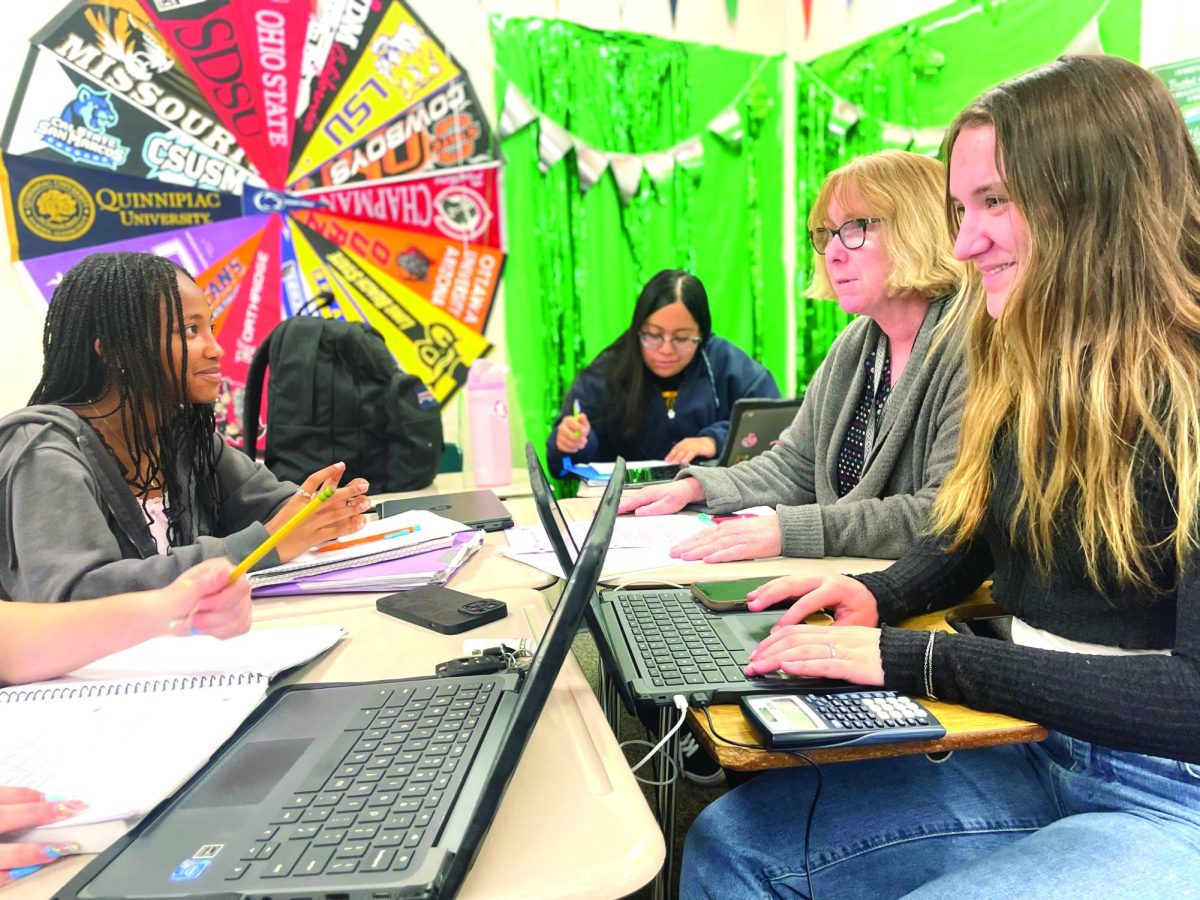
x,y
71,529
887,510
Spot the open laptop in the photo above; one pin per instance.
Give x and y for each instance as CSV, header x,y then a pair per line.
x,y
375,790
658,643
755,426
476,509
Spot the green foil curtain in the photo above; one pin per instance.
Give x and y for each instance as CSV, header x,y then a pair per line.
x,y
919,76
577,262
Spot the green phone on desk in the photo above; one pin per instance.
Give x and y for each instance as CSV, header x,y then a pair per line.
x,y
727,596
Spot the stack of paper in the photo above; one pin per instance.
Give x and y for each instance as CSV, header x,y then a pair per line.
x,y
394,537
638,544
431,567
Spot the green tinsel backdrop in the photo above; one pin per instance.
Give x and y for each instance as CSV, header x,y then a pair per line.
x,y
577,261
578,257
906,85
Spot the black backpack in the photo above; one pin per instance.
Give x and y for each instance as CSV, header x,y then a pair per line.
x,y
337,394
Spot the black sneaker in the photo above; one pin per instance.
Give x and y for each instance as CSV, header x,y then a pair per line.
x,y
699,767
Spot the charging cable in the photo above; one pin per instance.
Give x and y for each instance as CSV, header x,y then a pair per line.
x,y
681,704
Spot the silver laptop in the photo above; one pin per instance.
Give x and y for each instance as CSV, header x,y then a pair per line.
x,y
755,426
357,791
477,509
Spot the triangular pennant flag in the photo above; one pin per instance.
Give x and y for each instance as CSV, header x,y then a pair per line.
x,y
1088,38
896,137
928,141
553,143
674,6
518,111
689,154
807,4
591,164
728,127
731,9
843,116
627,170
659,166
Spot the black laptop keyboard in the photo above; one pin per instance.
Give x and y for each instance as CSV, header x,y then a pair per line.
x,y
677,640
377,800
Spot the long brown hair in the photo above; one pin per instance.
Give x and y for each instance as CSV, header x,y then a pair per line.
x,y
1093,369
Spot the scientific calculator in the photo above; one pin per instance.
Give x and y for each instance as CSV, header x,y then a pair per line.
x,y
812,721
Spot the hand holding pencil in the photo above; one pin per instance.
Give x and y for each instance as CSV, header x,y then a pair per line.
x,y
340,515
572,433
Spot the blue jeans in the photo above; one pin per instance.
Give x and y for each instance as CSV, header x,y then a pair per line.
x,y
1063,818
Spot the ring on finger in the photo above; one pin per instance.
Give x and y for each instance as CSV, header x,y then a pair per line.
x,y
832,651
301,492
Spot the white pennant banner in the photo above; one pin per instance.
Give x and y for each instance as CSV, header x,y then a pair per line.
x,y
627,170
591,164
553,143
518,112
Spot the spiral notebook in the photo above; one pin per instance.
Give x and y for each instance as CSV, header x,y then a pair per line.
x,y
126,731
394,537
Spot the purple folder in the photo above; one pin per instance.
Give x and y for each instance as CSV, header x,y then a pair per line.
x,y
433,567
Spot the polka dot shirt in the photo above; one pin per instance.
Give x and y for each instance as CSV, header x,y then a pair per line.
x,y
850,458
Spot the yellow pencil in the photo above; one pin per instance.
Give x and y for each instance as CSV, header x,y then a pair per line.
x,y
269,544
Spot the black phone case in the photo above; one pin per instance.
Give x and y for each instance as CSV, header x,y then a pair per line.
x,y
437,608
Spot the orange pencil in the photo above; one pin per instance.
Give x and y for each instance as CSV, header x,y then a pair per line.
x,y
342,545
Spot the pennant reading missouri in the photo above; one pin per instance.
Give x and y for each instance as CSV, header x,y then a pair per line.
x,y
114,43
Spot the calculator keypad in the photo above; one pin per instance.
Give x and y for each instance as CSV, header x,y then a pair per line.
x,y
869,710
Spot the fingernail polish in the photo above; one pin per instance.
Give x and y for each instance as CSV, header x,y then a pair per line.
x,y
61,850
70,807
22,872
56,798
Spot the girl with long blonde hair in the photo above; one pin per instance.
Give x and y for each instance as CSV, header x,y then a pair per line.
x,y
1074,195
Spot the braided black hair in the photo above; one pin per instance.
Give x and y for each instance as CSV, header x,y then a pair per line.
x,y
119,300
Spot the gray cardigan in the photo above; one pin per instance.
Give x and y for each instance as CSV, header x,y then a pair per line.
x,y
887,510
71,529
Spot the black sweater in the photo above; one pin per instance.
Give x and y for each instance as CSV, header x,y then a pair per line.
x,y
1144,703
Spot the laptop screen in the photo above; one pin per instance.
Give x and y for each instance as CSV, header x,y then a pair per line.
x,y
551,514
551,653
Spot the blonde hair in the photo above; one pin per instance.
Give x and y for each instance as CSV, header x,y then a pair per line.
x,y
1093,369
905,190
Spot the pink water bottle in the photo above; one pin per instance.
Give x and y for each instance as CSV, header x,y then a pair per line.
x,y
487,402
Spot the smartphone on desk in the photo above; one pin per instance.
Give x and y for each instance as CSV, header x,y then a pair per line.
x,y
651,474
726,596
441,609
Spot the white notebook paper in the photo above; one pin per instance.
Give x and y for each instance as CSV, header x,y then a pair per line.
x,y
126,731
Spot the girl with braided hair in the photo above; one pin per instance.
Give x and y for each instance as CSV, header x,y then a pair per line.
x,y
114,478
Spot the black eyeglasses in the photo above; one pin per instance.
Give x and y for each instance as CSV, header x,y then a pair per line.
x,y
852,232
653,340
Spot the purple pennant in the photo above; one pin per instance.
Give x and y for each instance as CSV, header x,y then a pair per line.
x,y
194,248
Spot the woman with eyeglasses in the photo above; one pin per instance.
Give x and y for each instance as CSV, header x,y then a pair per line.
x,y
856,472
664,389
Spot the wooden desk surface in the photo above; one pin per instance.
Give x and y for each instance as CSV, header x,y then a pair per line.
x,y
965,728
573,821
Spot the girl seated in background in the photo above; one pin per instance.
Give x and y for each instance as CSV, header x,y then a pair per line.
x,y
117,479
664,389
1074,192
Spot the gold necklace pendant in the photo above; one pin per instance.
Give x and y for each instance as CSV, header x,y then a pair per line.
x,y
669,400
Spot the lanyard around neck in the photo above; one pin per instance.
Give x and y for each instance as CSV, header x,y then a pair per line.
x,y
873,414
